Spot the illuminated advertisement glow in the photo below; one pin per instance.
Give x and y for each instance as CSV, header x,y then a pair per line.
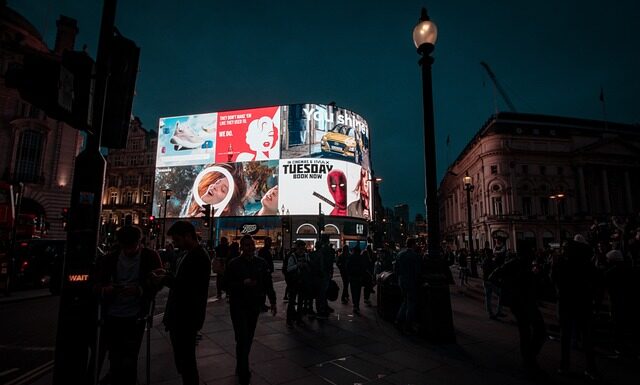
x,y
280,160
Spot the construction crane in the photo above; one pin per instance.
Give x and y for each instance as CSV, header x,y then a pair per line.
x,y
512,108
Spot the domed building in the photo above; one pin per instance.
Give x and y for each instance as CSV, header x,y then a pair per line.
x,y
36,152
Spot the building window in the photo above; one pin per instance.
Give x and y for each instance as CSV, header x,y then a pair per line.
x,y
149,159
497,205
132,160
113,181
526,206
146,197
525,169
30,147
113,198
544,206
494,169
543,170
135,144
128,198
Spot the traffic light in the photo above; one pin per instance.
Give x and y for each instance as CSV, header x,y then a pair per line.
x,y
121,84
206,210
62,89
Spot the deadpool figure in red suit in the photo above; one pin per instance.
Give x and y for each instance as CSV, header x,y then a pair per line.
x,y
337,182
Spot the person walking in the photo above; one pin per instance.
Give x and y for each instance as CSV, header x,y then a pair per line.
x,y
326,259
266,254
369,280
407,269
344,276
357,264
186,305
249,282
126,287
517,280
573,275
222,254
463,275
489,264
296,273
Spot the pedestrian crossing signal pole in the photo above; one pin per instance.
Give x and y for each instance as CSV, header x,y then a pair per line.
x,y
76,342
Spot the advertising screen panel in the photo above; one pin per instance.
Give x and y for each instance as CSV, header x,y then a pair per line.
x,y
280,160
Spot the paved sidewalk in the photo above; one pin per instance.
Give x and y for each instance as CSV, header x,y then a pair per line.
x,y
364,349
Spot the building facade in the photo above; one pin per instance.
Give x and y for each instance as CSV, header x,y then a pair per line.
x,y
128,191
36,152
538,179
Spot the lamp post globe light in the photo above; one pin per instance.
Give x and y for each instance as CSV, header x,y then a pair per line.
x,y
469,187
438,325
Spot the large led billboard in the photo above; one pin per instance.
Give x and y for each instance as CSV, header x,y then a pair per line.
x,y
280,160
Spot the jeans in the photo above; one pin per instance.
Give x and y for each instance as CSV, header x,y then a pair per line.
x,y
294,307
489,289
244,318
322,306
532,331
122,338
183,341
579,318
356,289
407,312
345,284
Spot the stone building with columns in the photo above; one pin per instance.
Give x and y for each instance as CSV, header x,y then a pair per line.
x,y
36,151
538,179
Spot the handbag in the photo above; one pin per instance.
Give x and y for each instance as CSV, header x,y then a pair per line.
x,y
332,291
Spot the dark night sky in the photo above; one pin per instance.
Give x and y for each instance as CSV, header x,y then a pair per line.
x,y
552,56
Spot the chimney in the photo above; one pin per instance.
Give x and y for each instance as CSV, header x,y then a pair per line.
x,y
66,36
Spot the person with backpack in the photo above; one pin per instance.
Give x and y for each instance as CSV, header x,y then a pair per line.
x,y
297,273
357,266
322,266
126,285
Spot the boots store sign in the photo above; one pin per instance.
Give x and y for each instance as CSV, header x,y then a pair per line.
x,y
249,228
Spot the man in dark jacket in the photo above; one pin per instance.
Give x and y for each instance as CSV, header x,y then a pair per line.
x,y
187,302
248,281
573,275
326,259
517,281
407,269
126,288
357,265
222,253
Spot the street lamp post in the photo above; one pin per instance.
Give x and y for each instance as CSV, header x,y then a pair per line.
x,y
558,198
468,187
438,325
425,34
167,196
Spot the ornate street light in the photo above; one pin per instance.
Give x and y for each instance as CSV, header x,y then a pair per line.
x,y
439,326
425,34
468,187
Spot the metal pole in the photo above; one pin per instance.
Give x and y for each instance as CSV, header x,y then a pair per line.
x,y
431,187
164,219
78,307
472,257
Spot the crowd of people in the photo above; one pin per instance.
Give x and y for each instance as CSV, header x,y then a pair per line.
x,y
589,276
593,279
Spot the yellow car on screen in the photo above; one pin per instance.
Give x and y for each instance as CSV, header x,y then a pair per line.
x,y
337,141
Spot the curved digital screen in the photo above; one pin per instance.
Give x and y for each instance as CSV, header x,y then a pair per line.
x,y
281,160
